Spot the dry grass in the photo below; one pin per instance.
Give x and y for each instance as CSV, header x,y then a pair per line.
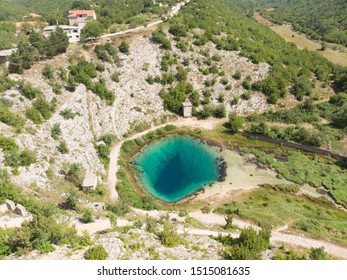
x,y
286,32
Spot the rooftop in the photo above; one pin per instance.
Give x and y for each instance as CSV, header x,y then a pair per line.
x,y
64,27
89,180
88,13
7,52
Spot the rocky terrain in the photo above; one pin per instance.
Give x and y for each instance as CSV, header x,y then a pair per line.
x,y
137,103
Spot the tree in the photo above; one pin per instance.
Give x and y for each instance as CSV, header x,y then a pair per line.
x,y
80,5
249,245
97,252
318,254
124,48
15,65
71,201
37,40
47,71
92,30
169,237
57,43
235,122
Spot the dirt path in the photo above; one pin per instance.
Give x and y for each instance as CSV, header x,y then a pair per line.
x,y
174,11
276,235
114,154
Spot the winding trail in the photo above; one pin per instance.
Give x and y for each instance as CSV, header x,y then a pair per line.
x,y
277,236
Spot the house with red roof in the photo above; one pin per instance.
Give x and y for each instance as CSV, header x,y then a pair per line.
x,y
81,17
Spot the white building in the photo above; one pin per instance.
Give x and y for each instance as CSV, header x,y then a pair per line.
x,y
73,32
81,17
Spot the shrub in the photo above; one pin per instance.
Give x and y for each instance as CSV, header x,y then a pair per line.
x,y
71,201
100,89
67,114
97,252
120,208
115,76
28,91
206,209
44,107
318,254
62,148
34,115
88,216
47,71
9,118
235,123
56,131
169,237
124,48
237,75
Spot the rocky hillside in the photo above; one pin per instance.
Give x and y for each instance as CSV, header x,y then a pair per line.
x,y
137,102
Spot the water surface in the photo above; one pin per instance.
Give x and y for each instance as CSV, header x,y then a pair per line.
x,y
175,167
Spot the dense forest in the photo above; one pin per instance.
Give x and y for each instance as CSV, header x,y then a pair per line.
x,y
322,20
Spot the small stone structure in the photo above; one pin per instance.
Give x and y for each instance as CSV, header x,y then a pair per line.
x,y
187,109
5,55
10,205
20,210
90,181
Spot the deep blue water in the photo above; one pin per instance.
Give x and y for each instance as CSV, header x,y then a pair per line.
x,y
176,166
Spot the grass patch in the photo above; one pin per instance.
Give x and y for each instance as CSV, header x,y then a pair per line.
x,y
299,168
317,218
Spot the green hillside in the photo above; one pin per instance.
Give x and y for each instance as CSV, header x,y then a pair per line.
x,y
324,20
11,11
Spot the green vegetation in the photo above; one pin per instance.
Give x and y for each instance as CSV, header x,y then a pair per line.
x,y
124,48
318,218
169,237
92,30
15,157
56,131
28,91
248,246
97,252
103,150
290,67
7,34
107,53
83,72
299,168
62,148
37,47
10,118
160,37
333,111
41,110
322,20
42,232
68,114
235,123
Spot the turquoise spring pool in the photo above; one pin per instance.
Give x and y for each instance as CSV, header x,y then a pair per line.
x,y
176,166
